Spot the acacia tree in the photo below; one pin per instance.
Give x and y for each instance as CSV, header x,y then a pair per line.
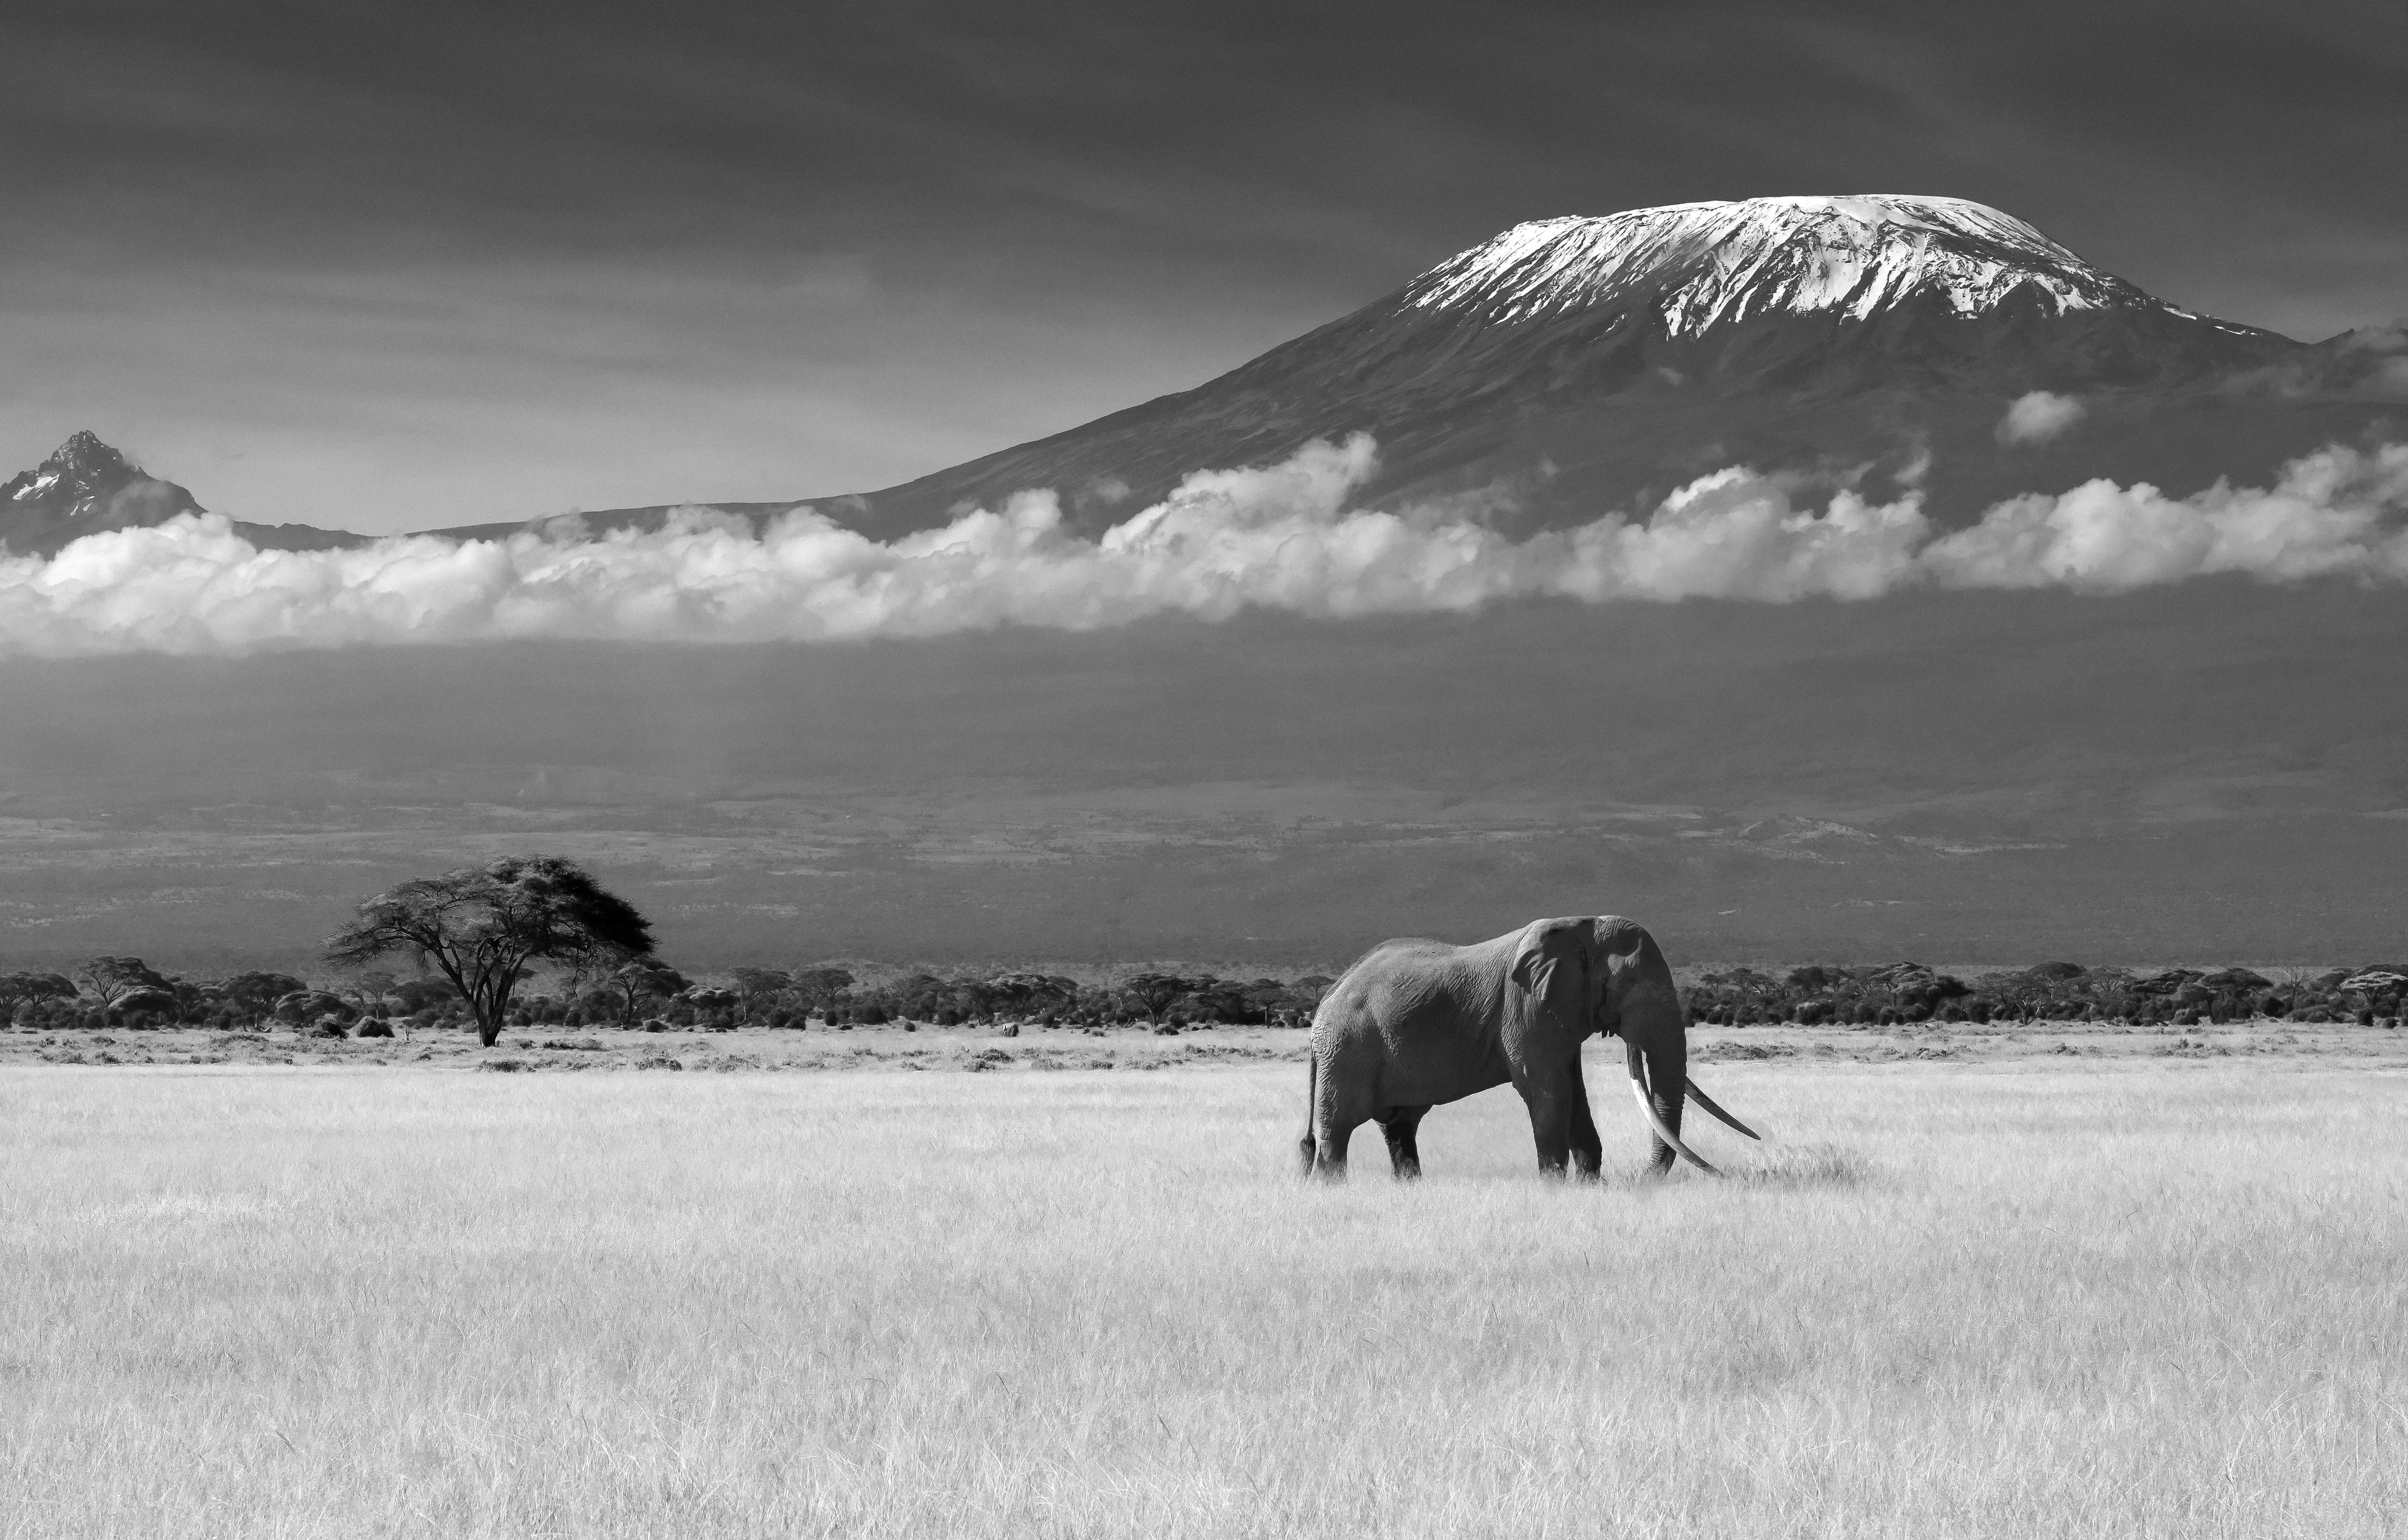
x,y
114,978
16,988
755,983
482,926
255,994
643,979
1155,992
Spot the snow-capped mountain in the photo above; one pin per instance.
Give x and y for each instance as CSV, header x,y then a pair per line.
x,y
1718,263
1704,265
1579,364
1571,366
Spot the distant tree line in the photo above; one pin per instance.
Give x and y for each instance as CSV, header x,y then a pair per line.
x,y
123,992
483,936
1906,992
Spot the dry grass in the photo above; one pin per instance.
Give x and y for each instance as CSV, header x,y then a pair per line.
x,y
2062,1298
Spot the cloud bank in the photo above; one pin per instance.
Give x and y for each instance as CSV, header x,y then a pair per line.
x,y
1278,538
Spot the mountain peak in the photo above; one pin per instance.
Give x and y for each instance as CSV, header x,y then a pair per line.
x,y
80,478
1696,266
83,487
84,450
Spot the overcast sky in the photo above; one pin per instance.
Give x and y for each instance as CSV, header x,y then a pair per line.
x,y
388,266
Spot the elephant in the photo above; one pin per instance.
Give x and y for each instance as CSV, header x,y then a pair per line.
x,y
1415,1023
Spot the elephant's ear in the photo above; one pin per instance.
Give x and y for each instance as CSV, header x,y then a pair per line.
x,y
1537,963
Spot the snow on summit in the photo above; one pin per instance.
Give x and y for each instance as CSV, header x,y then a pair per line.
x,y
1701,264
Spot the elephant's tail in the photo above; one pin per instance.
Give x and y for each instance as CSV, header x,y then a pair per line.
x,y
1311,1094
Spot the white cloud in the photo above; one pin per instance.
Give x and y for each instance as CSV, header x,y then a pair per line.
x,y
1277,536
2333,513
2037,417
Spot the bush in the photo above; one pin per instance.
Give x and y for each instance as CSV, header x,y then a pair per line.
x,y
373,1026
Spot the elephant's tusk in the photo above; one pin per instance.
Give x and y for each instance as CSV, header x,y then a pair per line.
x,y
1702,1099
1647,1105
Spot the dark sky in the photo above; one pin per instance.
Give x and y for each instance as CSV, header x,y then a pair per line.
x,y
389,265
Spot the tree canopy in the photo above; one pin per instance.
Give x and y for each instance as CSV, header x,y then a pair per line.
x,y
17,987
482,926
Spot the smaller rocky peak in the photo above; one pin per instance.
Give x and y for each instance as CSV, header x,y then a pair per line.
x,y
84,486
77,473
84,448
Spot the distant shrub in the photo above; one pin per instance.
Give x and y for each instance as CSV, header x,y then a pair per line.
x,y
373,1026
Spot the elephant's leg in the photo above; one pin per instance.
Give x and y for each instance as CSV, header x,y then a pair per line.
x,y
1345,1098
1551,1093
1588,1149
1329,1152
1400,1124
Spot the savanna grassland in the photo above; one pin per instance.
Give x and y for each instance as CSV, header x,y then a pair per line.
x,y
2149,1293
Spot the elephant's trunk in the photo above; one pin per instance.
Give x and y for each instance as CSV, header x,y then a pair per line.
x,y
1658,1077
